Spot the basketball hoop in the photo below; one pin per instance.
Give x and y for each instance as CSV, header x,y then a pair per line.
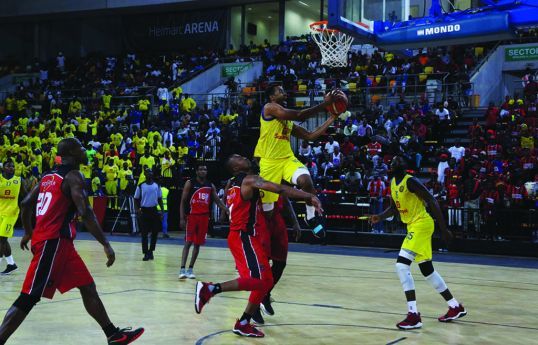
x,y
333,44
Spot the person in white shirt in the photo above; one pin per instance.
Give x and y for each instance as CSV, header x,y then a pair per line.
x,y
442,113
330,145
162,94
305,150
443,164
457,151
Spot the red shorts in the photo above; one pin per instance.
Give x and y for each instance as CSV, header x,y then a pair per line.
x,y
56,265
273,238
197,226
250,259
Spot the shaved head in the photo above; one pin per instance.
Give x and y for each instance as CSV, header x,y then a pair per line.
x,y
67,146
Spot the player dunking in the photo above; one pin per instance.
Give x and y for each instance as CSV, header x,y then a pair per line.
x,y
56,265
277,161
198,194
10,198
273,234
410,197
250,259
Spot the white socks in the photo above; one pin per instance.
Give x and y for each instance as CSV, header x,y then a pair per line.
x,y
453,303
10,260
412,307
310,212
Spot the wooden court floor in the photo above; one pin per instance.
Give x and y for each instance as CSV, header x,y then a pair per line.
x,y
321,299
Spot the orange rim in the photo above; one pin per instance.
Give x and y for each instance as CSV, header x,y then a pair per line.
x,y
318,26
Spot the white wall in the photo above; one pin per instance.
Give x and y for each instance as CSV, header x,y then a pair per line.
x,y
298,20
487,81
266,29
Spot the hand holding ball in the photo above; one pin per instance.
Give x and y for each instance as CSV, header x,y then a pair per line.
x,y
338,101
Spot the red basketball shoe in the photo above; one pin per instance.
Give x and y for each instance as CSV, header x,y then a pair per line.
x,y
202,296
412,321
453,314
247,330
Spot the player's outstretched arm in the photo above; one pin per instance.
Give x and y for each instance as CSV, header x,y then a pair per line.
x,y
256,182
28,206
303,133
79,196
415,186
389,212
279,112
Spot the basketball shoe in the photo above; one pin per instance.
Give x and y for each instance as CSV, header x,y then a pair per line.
x,y
412,321
202,296
182,274
317,226
266,306
247,330
9,269
453,314
125,336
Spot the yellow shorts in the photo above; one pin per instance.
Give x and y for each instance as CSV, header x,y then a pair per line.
x,y
6,226
111,187
276,171
419,239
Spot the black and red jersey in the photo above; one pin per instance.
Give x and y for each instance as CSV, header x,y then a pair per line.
x,y
242,212
200,197
55,211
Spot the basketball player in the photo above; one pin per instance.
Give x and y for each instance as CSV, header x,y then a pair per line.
x,y
56,265
273,234
410,198
10,198
277,161
250,259
199,194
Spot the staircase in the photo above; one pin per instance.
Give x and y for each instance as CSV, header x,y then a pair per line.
x,y
460,128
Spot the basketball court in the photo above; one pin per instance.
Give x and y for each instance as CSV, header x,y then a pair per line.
x,y
327,295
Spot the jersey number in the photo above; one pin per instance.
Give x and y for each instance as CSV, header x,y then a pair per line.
x,y
397,204
43,203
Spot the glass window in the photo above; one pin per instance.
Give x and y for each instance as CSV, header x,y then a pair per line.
x,y
261,23
299,15
235,30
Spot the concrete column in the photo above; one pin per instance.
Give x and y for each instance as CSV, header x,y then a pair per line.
x,y
281,19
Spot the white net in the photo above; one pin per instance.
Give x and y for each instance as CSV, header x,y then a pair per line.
x,y
333,44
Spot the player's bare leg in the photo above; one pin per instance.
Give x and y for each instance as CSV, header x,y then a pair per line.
x,y
194,256
5,251
315,222
184,256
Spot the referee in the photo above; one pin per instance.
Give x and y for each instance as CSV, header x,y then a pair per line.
x,y
147,196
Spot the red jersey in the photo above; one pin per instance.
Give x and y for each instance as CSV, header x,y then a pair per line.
x,y
200,199
55,211
374,148
242,212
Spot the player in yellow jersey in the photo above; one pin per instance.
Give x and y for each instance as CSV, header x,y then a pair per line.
x,y
277,161
111,171
11,193
414,203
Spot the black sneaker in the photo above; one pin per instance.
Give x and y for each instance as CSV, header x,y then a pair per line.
x,y
9,269
266,306
125,336
317,226
258,318
150,255
146,257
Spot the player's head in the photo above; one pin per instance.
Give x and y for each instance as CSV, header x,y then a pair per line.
x,y
201,170
8,168
72,152
276,93
398,165
237,164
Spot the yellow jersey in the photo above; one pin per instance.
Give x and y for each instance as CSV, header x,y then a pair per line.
x,y
409,205
274,141
9,196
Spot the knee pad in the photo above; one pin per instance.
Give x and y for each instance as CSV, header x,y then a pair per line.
x,y
426,268
404,273
26,302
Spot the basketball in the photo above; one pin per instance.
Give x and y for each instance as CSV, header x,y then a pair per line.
x,y
340,105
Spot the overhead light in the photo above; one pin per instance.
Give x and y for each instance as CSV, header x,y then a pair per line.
x,y
304,4
269,17
250,8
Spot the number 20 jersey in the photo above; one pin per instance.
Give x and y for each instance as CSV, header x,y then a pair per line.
x,y
55,211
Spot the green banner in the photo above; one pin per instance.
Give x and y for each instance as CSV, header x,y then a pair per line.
x,y
525,53
233,69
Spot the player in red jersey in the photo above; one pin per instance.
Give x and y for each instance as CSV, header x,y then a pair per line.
x,y
250,259
273,235
199,194
57,200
